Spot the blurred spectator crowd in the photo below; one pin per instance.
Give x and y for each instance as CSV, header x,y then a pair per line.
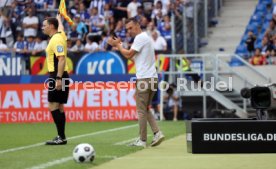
x,y
95,20
265,53
261,36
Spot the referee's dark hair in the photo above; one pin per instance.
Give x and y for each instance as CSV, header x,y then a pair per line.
x,y
52,21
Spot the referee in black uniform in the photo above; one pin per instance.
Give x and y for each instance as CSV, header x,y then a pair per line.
x,y
58,81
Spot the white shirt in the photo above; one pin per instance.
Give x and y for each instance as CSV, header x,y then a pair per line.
x,y
171,102
145,57
165,3
2,28
274,10
39,3
97,3
5,2
132,8
76,48
3,47
19,49
91,47
160,43
30,31
40,46
190,12
156,11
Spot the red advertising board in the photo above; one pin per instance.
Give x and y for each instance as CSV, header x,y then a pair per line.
x,y
24,103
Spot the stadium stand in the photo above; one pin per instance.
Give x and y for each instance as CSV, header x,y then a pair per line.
x,y
257,42
95,20
92,18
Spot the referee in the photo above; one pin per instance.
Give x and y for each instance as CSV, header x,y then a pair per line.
x,y
58,81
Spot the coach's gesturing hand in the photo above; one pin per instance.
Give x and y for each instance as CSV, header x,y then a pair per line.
x,y
113,41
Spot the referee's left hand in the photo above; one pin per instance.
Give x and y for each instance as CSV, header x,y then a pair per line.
x,y
58,84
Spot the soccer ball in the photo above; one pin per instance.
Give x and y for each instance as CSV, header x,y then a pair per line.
x,y
84,153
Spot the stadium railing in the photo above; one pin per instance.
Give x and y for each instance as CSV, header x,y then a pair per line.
x,y
190,29
218,67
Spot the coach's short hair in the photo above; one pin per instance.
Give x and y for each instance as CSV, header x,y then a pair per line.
x,y
52,21
133,19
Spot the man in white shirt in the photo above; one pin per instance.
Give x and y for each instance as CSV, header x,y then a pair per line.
x,y
4,3
142,53
3,47
98,4
39,46
90,46
274,10
2,26
172,103
165,4
132,8
78,47
30,24
159,43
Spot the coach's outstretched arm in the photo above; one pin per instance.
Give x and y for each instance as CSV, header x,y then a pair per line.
x,y
116,42
60,25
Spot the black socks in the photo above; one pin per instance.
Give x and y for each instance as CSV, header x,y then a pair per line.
x,y
62,124
59,119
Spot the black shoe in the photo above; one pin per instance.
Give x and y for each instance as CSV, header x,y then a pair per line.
x,y
57,141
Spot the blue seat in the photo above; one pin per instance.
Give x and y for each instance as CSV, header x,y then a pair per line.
x,y
260,36
258,44
241,49
266,25
266,2
268,17
236,62
244,38
252,27
261,14
261,7
262,1
256,18
263,30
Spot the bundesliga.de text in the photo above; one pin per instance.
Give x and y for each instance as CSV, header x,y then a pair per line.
x,y
239,137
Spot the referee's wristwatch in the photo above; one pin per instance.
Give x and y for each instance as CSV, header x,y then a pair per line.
x,y
58,78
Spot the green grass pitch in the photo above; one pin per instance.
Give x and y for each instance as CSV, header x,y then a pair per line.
x,y
21,147
108,138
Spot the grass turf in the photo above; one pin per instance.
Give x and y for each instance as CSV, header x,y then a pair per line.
x,y
17,135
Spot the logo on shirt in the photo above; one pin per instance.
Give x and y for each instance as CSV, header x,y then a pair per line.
x,y
59,49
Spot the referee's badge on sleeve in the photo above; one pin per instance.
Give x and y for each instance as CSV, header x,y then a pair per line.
x,y
59,49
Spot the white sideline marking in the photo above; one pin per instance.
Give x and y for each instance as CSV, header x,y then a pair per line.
x,y
127,141
52,163
21,148
70,138
62,160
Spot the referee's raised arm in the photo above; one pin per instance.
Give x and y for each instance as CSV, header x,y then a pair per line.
x,y
60,25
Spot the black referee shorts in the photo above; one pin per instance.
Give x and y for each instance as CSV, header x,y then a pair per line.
x,y
58,96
